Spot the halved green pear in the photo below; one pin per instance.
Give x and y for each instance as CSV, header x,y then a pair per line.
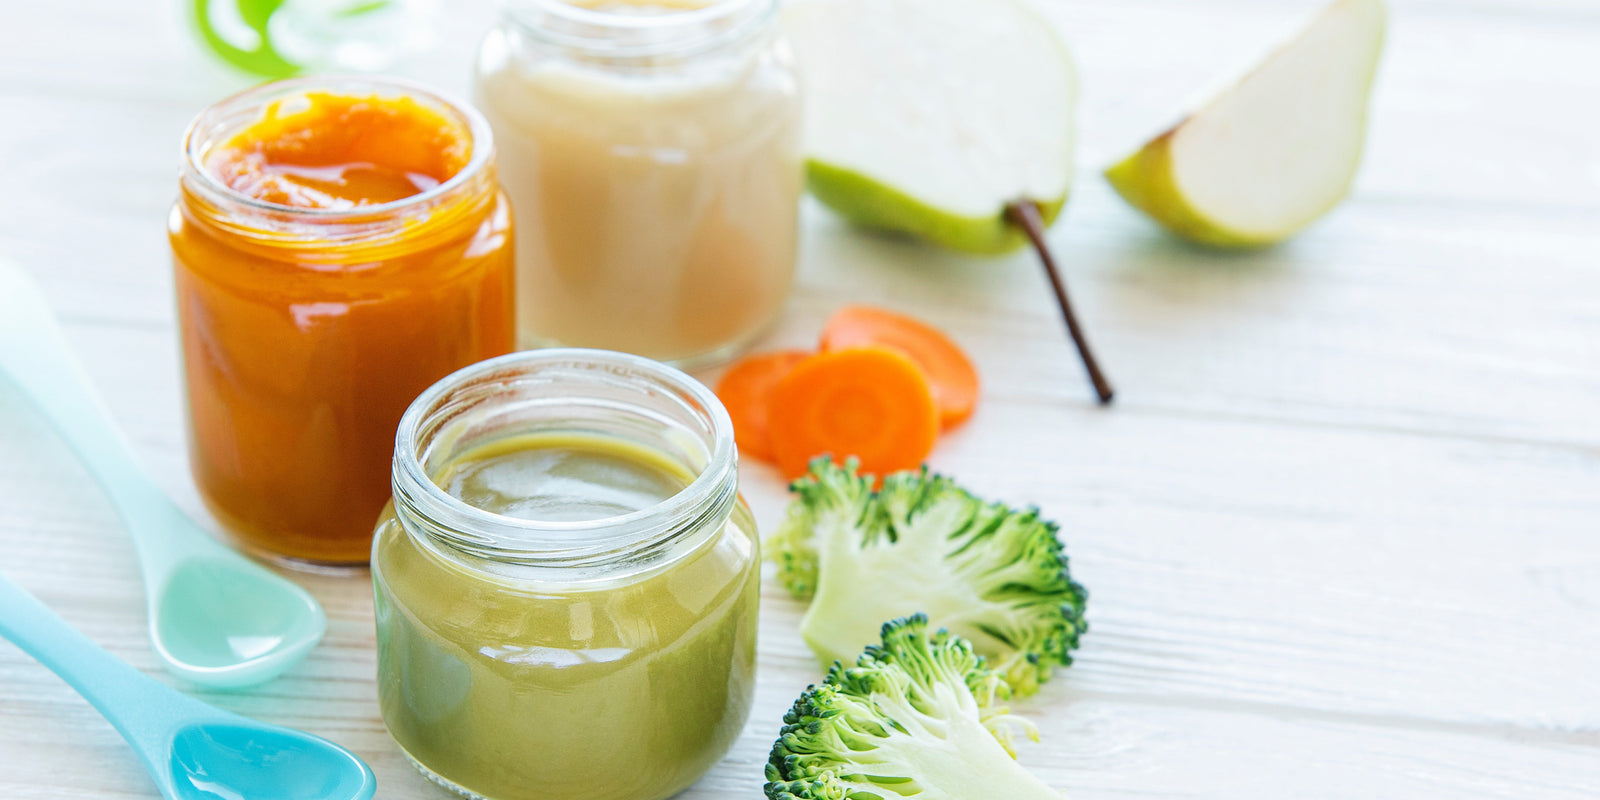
x,y
928,117
1269,155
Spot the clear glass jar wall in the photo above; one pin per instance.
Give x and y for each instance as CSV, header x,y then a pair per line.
x,y
324,280
559,654
651,150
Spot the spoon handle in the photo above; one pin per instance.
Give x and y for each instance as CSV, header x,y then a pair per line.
x,y
35,354
144,711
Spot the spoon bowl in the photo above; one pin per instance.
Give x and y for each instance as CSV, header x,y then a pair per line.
x,y
226,627
193,751
212,760
216,618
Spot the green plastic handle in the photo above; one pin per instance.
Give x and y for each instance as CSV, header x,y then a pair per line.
x,y
263,59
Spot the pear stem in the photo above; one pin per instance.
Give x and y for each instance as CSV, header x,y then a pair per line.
x,y
1025,215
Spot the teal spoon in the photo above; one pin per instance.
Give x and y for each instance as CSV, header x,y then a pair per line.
x,y
193,751
216,618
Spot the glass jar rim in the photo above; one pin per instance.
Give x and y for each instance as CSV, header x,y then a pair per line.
x,y
593,542
199,135
756,16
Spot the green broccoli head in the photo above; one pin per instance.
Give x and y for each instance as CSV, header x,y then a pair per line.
x,y
992,574
914,718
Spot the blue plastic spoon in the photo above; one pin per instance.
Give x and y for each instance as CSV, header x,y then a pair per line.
x,y
216,618
193,751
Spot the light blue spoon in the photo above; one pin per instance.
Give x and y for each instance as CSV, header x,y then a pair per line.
x,y
193,751
216,618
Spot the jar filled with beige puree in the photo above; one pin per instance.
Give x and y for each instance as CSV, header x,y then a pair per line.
x,y
651,151
566,580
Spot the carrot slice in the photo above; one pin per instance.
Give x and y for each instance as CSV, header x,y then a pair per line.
x,y
746,391
869,402
954,379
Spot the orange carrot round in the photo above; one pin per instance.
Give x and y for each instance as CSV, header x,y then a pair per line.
x,y
873,403
951,373
746,391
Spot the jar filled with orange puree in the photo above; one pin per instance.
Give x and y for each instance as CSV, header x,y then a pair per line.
x,y
338,245
652,151
567,581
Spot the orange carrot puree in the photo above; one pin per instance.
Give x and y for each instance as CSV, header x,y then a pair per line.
x,y
306,333
328,151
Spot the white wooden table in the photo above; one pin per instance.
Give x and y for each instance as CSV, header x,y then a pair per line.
x,y
1341,530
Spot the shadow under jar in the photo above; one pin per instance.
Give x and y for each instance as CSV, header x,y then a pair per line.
x,y
652,151
339,244
567,580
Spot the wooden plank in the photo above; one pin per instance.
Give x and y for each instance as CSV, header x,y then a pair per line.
x,y
1236,545
1339,532
1093,745
1397,311
1307,585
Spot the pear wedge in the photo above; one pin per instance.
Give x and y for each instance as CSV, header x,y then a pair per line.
x,y
1266,157
928,117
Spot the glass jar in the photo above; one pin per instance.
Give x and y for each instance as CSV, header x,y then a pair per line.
x,y
652,151
557,650
323,281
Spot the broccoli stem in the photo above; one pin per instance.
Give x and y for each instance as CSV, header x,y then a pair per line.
x,y
860,589
956,758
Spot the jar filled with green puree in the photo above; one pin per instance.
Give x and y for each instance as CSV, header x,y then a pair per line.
x,y
566,580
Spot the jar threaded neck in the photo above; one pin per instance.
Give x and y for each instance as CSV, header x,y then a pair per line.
x,y
601,391
622,38
468,192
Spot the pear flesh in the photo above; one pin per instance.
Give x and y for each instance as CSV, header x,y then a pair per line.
x,y
1275,151
928,116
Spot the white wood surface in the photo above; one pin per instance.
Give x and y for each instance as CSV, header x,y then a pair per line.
x,y
1341,530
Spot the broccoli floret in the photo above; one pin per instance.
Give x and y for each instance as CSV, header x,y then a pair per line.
x,y
914,718
994,575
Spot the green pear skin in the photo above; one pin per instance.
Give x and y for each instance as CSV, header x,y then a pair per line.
x,y
1144,179
874,205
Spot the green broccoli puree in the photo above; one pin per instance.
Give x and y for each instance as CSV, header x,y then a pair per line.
x,y
521,690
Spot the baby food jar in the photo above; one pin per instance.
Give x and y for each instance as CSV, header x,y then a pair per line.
x,y
651,149
567,580
339,244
